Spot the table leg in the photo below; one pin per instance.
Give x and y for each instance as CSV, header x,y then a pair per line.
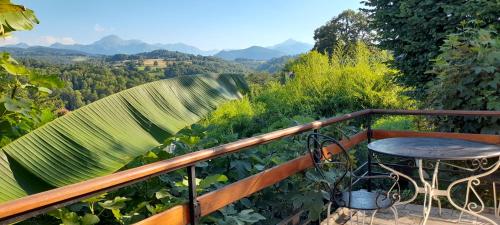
x,y
471,207
429,188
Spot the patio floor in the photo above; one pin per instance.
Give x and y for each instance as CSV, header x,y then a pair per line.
x,y
408,215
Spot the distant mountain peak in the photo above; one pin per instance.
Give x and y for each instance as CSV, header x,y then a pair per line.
x,y
115,40
292,47
252,52
113,44
290,41
111,36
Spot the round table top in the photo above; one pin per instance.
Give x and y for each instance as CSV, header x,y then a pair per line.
x,y
434,148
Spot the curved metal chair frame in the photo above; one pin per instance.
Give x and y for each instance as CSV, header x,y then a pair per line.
x,y
348,197
496,200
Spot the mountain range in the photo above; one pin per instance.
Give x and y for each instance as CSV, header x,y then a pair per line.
x,y
288,47
112,44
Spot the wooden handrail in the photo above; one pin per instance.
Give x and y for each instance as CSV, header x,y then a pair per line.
x,y
212,201
436,112
45,201
42,202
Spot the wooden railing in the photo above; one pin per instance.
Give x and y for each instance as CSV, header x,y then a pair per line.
x,y
35,204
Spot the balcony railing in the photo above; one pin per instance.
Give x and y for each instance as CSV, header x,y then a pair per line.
x,y
205,204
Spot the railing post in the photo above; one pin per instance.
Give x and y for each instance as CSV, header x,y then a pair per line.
x,y
315,145
369,138
194,205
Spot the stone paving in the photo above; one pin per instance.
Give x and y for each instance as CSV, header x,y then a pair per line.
x,y
408,215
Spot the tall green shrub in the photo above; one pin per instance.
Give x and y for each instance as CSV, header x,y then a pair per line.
x,y
346,82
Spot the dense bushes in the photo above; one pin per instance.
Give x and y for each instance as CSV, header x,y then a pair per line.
x,y
415,30
468,78
349,81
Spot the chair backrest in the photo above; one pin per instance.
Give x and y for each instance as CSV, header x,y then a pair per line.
x,y
324,160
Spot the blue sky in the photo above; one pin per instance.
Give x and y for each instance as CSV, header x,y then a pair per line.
x,y
214,24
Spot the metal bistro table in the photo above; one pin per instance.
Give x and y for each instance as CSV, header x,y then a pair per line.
x,y
435,150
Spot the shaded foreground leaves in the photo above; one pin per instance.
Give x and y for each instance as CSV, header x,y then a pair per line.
x,y
102,137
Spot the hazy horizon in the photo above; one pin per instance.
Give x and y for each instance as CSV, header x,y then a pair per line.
x,y
2,43
215,25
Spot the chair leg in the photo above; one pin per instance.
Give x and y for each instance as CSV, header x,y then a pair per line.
x,y
495,201
439,206
328,213
438,200
364,215
396,217
373,216
350,216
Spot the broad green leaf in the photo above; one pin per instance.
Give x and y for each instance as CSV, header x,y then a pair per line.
x,y
117,203
70,218
162,193
102,137
90,219
249,216
10,188
15,18
95,198
208,181
10,65
67,217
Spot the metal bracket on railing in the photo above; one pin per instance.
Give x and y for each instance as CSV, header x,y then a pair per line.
x,y
194,205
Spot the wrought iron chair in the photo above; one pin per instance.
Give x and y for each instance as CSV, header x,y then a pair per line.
x,y
349,191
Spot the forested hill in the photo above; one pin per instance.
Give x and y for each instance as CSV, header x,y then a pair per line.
x,y
90,77
48,55
176,63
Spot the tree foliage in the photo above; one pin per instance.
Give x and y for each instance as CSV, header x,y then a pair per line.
x,y
349,27
347,81
415,29
468,78
23,93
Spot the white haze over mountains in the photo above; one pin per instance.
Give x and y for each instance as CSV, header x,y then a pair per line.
x,y
112,44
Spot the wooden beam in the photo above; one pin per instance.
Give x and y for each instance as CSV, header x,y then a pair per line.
x,y
215,200
177,215
486,138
